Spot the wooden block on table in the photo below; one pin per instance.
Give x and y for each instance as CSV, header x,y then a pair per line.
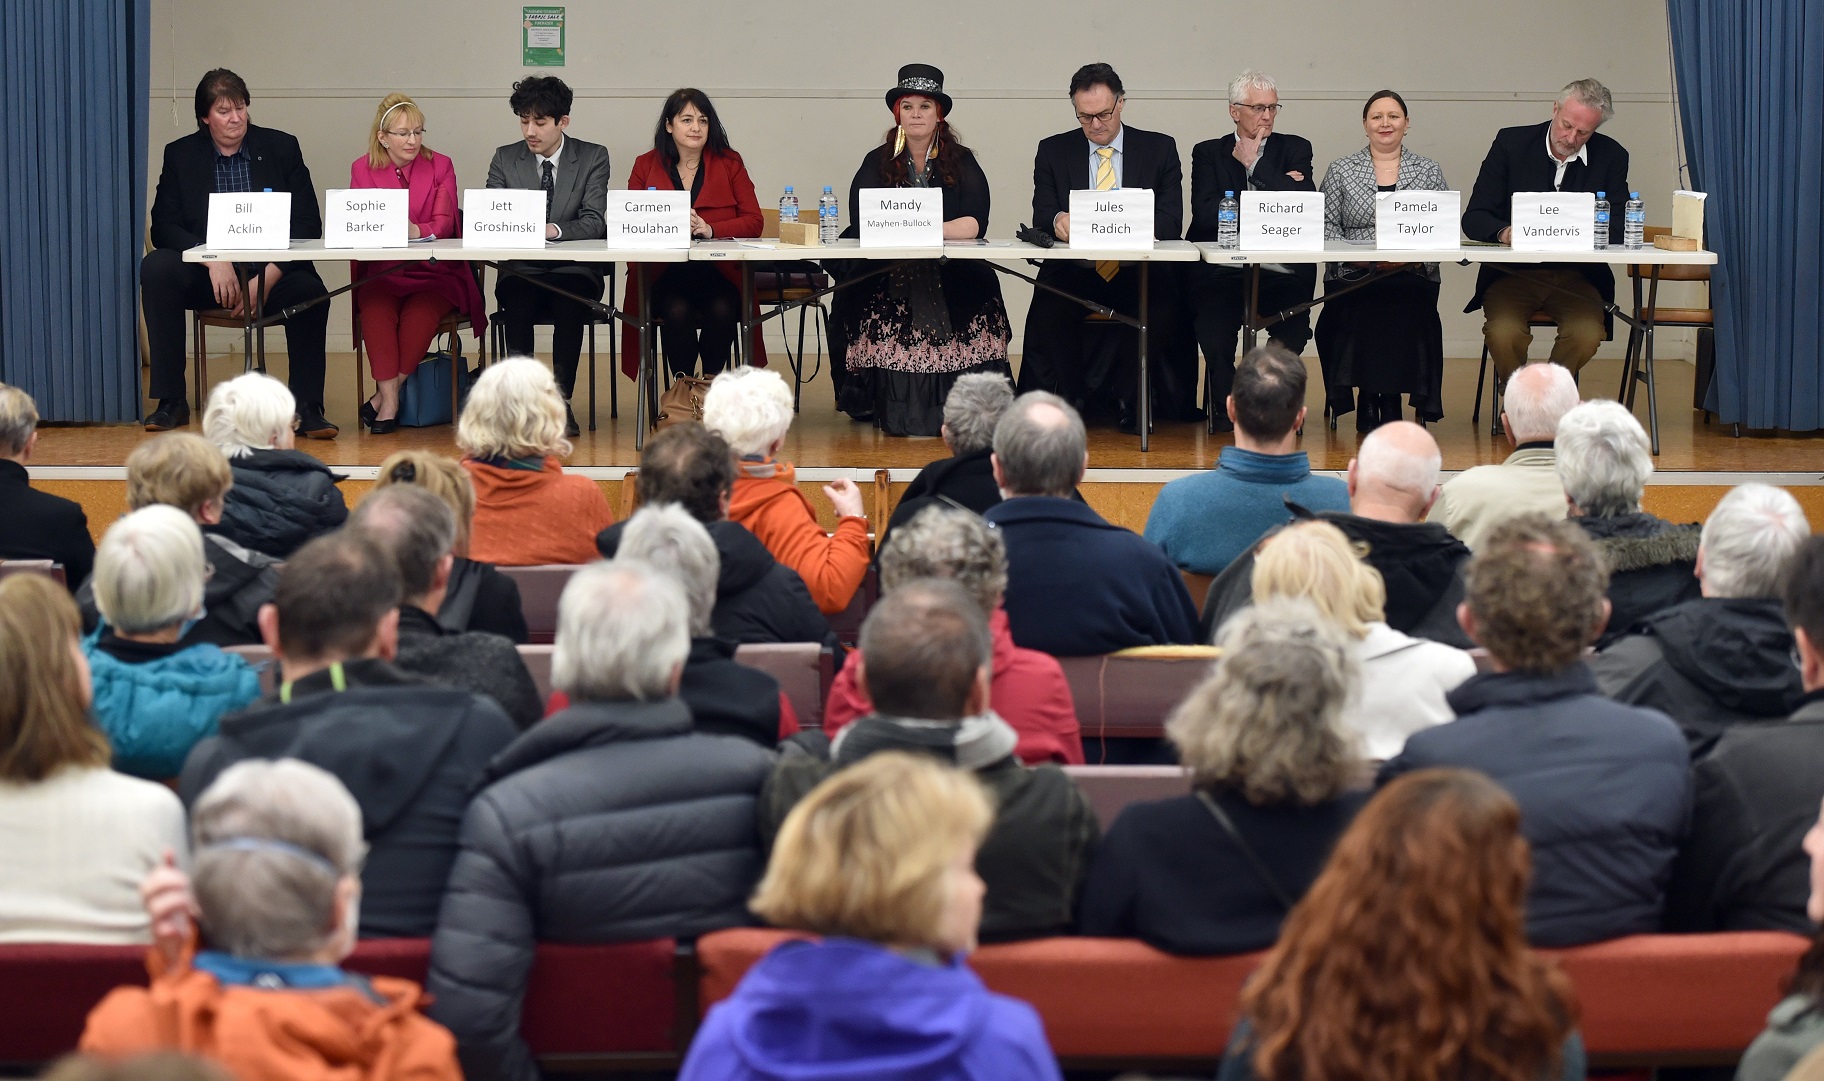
x,y
799,233
1667,242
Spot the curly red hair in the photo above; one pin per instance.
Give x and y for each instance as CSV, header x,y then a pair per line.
x,y
1408,956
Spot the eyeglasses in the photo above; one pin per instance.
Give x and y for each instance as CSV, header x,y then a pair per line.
x,y
1102,117
1259,110
415,132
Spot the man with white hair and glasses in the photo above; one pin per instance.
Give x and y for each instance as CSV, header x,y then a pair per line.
x,y
1478,499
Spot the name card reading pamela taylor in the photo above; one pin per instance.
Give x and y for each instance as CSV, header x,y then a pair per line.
x,y
1554,221
1422,220
503,218
648,219
901,217
366,218
1282,220
249,220
1120,218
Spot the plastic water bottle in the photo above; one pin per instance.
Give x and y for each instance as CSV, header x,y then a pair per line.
x,y
1634,225
829,216
1602,220
788,205
1228,221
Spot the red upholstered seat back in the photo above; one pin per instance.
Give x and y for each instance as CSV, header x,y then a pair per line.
x,y
46,992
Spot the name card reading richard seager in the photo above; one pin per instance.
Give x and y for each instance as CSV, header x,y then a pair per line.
x,y
1121,218
901,217
503,218
1282,220
244,220
648,219
365,218
1553,221
1425,220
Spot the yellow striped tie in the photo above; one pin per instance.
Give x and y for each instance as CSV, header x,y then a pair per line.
x,y
1105,181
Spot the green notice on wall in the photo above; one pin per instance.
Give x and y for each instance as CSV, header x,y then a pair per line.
x,y
541,32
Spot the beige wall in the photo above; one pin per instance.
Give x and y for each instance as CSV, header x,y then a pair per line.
x,y
804,110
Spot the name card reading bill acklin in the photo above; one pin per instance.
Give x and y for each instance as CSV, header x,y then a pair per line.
x,y
1120,218
248,220
1554,221
901,217
1282,220
366,218
503,218
648,219
1421,220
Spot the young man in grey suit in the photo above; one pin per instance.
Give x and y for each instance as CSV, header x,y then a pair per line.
x,y
574,176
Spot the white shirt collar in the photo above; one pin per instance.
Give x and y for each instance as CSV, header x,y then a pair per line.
x,y
562,140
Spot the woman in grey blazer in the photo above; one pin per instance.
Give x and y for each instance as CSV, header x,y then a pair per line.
x,y
1384,339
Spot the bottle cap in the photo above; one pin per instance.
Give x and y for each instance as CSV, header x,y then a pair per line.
x,y
1631,195
1228,195
1602,195
827,191
788,187
267,190
652,187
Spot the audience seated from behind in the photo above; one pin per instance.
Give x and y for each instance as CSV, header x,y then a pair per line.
x,y
751,408
1605,788
1028,691
281,497
276,886
965,479
1741,869
419,531
1725,658
879,860
758,598
1789,1046
612,820
1404,679
1215,872
927,662
528,511
75,836
35,524
410,751
154,696
1604,461
479,597
1393,479
1408,957
1076,584
1206,520
1479,498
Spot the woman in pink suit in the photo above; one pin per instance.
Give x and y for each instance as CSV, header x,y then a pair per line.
x,y
401,310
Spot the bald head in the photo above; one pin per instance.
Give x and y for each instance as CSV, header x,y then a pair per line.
x,y
1040,447
1394,477
1537,398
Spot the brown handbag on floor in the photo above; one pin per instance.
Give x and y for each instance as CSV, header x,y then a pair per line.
x,y
682,401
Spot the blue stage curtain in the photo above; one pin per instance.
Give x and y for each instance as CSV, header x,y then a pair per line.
x,y
1750,84
73,104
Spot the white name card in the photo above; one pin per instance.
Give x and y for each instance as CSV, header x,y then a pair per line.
x,y
648,219
242,220
902,217
366,218
503,218
1282,220
1122,218
1555,220
1425,220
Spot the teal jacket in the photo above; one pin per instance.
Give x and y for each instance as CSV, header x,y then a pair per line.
x,y
154,712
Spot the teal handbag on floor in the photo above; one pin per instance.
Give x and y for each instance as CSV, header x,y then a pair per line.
x,y
424,398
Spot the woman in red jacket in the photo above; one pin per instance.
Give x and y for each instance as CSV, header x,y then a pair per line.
x,y
699,303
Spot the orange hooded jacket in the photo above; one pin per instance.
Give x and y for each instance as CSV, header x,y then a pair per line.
x,y
525,518
775,511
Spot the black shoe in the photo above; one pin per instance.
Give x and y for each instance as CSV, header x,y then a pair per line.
x,y
312,424
171,413
383,427
1220,422
368,413
571,429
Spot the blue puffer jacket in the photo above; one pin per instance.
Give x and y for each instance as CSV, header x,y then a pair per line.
x,y
154,712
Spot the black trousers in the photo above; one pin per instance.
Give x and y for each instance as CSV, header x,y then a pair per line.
x,y
524,305
1055,357
1219,299
169,288
699,307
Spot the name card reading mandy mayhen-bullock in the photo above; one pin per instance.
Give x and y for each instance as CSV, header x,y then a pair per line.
x,y
1282,220
1554,221
365,218
245,220
901,217
648,219
503,218
1425,220
1121,218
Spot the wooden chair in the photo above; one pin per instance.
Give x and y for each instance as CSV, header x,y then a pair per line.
x,y
200,320
1496,390
882,510
1637,368
792,283
1198,586
630,495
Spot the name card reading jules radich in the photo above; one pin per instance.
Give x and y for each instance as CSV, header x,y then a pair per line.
x,y
648,219
503,218
1282,220
365,218
901,217
1554,221
1121,218
246,220
1422,220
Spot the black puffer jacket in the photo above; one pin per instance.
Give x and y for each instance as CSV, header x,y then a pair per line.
x,y
610,821
240,580
280,499
1652,566
758,598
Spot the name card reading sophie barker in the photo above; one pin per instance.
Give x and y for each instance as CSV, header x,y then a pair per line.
x,y
901,217
648,219
245,220
503,218
365,218
1120,218
1282,220
1555,221
1422,220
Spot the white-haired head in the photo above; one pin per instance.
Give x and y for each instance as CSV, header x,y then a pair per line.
x,y
1396,472
665,536
248,413
150,570
514,411
1604,459
751,408
1536,399
623,632
1250,80
1590,94
1749,540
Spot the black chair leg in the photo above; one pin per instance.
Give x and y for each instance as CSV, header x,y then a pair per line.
x,y
1475,414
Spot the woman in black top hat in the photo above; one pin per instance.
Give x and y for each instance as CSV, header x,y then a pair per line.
x,y
900,340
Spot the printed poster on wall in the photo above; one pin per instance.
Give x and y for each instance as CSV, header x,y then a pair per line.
x,y
542,37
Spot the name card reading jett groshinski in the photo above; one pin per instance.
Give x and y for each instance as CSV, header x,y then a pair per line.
x,y
1421,220
901,217
1554,221
248,220
366,218
1282,220
503,218
1118,218
648,219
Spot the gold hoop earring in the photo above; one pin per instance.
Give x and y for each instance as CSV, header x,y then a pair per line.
x,y
899,142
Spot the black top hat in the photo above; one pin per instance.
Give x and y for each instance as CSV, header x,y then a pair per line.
x,y
920,79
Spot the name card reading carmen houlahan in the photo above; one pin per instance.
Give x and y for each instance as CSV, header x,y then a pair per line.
x,y
247,220
1417,220
648,219
1121,218
503,218
365,218
1282,220
1553,221
901,217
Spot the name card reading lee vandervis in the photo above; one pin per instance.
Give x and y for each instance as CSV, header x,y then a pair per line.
x,y
503,218
648,219
365,218
1121,218
901,217
1554,221
1282,220
1425,220
244,220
